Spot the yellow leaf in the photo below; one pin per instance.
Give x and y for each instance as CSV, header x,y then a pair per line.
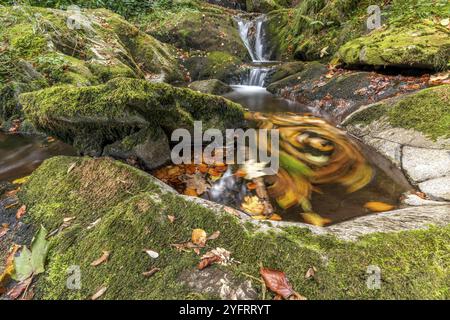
x,y
252,205
375,206
198,237
21,180
275,217
315,219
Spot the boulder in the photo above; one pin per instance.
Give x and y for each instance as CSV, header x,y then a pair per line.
x,y
413,131
130,209
212,86
215,65
124,113
414,46
88,48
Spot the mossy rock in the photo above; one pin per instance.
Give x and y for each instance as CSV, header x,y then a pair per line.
x,y
316,29
427,111
91,117
215,65
416,46
196,26
263,6
131,210
43,47
212,86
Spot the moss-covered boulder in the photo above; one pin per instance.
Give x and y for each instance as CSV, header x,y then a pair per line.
x,y
43,47
212,86
130,210
92,117
215,65
412,131
416,46
317,29
196,26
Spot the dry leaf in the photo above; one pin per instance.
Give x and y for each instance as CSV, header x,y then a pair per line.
x,y
21,212
311,273
101,260
99,293
71,167
217,255
213,236
4,229
171,218
198,237
253,205
315,219
375,206
93,224
206,262
151,253
277,282
150,272
19,289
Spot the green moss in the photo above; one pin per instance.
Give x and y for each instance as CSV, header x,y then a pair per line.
x,y
25,41
133,212
111,111
421,45
427,111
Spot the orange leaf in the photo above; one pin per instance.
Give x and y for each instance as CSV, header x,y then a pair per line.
x,y
375,206
21,212
101,260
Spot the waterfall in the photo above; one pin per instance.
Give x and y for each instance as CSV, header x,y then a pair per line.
x,y
252,35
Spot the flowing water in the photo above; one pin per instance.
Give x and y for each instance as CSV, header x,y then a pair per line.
x,y
20,155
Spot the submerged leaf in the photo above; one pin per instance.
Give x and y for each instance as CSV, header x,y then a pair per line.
x,y
315,219
375,206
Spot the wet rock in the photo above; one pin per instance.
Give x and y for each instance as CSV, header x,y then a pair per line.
x,y
217,283
150,147
212,86
438,188
424,164
401,130
215,65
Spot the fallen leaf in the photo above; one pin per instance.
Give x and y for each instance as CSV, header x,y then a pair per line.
x,y
21,212
253,205
195,182
101,260
21,180
151,253
171,218
275,217
375,206
213,236
315,219
198,237
71,167
19,289
150,272
93,224
217,255
32,262
278,283
4,230
310,273
99,293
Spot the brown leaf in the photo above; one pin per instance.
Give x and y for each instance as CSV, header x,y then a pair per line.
x,y
171,218
21,212
213,236
277,282
206,262
99,293
4,230
19,289
102,259
311,273
150,272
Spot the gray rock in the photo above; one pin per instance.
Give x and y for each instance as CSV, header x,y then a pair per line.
x,y
423,164
390,150
212,86
218,283
438,189
149,146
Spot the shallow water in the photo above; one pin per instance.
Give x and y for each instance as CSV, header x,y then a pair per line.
x,y
333,202
20,155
